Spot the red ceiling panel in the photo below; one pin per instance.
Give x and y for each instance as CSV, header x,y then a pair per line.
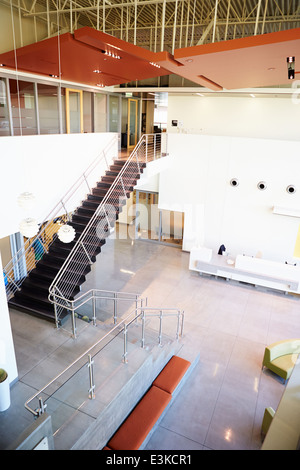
x,y
76,57
254,61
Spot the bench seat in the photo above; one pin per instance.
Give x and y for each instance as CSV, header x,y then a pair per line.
x,y
141,420
172,373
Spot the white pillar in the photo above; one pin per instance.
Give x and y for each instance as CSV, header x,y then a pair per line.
x,y
7,350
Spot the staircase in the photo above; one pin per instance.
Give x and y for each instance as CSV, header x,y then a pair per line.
x,y
33,294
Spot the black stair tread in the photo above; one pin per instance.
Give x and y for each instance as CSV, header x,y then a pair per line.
x,y
36,295
47,313
55,270
41,311
41,285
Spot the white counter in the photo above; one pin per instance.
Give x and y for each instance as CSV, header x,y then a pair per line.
x,y
257,271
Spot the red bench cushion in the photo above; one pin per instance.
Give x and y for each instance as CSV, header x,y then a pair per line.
x,y
171,374
141,420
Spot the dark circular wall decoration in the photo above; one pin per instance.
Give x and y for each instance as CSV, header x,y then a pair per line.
x,y
261,185
234,182
291,189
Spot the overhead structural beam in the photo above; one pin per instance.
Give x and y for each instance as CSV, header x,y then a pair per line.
x,y
215,21
205,33
163,26
257,17
108,6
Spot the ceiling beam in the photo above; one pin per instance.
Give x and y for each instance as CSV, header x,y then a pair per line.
x,y
101,7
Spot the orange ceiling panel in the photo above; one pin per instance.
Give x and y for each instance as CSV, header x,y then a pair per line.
x,y
249,62
76,57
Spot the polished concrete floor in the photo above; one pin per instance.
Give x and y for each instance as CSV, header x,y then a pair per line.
x,y
228,324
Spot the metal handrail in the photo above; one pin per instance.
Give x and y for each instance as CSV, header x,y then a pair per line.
x,y
124,326
59,210
94,295
148,148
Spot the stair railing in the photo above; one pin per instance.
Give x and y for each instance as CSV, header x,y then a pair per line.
x,y
140,314
24,261
149,148
94,295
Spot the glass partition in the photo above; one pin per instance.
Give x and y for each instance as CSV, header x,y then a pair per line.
x,y
155,224
4,118
74,111
23,107
100,114
48,109
113,113
87,112
132,123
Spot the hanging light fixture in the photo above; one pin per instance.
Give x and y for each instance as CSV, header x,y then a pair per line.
x,y
26,200
29,227
66,233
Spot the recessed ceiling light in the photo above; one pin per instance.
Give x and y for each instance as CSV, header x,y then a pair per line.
x,y
2,65
155,65
100,85
53,75
199,94
112,55
251,94
97,71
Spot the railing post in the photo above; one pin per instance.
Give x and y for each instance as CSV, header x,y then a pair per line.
x,y
146,148
136,308
123,187
137,161
115,308
178,323
143,329
125,345
94,308
160,327
87,182
73,321
91,377
41,408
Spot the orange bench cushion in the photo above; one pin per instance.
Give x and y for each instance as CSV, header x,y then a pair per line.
x,y
141,420
171,374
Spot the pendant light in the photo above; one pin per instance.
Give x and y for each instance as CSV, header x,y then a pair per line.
x,y
26,201
66,233
29,227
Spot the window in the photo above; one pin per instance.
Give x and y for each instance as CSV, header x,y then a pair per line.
x,y
23,107
4,120
100,112
48,109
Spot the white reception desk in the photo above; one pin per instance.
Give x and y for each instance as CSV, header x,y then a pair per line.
x,y
257,271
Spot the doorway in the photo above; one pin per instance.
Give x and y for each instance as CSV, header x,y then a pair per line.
x,y
157,225
74,111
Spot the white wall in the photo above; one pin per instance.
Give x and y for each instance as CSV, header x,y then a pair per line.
x,y
267,118
198,183
7,352
47,166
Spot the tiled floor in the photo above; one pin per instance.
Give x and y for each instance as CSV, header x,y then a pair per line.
x,y
228,324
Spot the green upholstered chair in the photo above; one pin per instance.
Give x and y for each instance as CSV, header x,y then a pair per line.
x,y
267,420
281,357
